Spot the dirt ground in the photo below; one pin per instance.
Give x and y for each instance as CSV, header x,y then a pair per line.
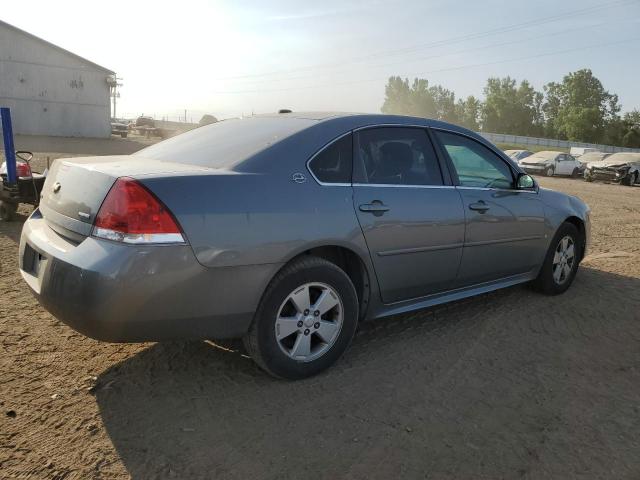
x,y
510,384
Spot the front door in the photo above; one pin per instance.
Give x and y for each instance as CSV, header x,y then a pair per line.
x,y
504,226
562,165
413,223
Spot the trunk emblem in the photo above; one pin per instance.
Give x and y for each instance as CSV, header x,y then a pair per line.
x,y
56,187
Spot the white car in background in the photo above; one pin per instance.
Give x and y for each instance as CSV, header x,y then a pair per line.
x,y
551,163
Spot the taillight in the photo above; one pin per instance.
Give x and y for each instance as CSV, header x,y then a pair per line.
x,y
132,214
23,169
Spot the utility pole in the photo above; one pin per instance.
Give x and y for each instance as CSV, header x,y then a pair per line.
x,y
113,83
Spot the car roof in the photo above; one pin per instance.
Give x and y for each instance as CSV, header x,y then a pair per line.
x,y
351,120
546,153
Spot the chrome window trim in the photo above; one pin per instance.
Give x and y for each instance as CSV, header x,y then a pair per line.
x,y
395,185
322,149
491,147
486,189
497,153
399,125
384,125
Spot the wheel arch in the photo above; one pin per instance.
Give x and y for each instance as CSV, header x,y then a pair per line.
x,y
349,261
579,224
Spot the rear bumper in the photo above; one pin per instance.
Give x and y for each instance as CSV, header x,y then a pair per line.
x,y
125,293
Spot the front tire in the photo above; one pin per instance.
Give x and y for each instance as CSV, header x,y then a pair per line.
x,y
549,172
631,179
561,262
305,321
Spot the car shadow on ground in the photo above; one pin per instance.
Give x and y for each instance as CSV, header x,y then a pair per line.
x,y
467,389
13,228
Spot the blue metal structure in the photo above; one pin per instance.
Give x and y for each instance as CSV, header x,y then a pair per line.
x,y
9,150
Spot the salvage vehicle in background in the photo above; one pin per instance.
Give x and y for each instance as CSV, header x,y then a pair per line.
x,y
289,229
578,152
119,127
26,189
623,167
592,157
551,163
518,155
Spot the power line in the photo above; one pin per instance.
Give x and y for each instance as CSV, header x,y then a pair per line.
x,y
422,74
439,43
440,55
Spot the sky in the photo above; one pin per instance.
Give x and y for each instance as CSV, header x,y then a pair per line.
x,y
231,58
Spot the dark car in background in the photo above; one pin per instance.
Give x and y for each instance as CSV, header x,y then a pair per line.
x,y
622,167
119,127
287,230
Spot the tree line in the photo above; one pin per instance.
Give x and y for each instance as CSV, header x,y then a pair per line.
x,y
578,108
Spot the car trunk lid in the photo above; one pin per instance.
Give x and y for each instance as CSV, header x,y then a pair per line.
x,y
76,187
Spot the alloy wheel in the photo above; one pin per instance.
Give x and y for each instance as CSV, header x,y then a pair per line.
x,y
309,321
563,260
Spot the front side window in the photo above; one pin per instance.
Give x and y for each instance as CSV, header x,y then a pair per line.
x,y
333,164
475,164
397,156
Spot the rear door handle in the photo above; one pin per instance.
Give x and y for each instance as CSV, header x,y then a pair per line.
x,y
376,207
479,206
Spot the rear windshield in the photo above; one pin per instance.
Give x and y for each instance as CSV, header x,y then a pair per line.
x,y
226,143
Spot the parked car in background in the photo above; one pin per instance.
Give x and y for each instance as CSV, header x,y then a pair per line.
x,y
287,230
551,163
143,121
591,157
623,167
577,152
518,155
119,127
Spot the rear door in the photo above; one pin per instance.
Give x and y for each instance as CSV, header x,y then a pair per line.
x,y
411,216
504,226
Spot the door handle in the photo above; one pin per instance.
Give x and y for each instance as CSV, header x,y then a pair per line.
x,y
479,206
376,207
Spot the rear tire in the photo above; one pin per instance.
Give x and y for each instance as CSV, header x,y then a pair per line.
x,y
288,343
8,210
561,262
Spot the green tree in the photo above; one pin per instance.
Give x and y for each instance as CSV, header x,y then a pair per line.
x,y
511,108
419,99
469,112
580,109
631,129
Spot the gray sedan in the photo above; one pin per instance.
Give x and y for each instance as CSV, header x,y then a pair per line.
x,y
289,229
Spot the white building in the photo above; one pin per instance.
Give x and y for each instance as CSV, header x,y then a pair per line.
x,y
50,90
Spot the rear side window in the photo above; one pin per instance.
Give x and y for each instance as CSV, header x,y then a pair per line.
x,y
227,143
475,164
398,156
333,164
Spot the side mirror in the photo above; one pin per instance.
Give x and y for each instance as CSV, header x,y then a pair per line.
x,y
525,182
